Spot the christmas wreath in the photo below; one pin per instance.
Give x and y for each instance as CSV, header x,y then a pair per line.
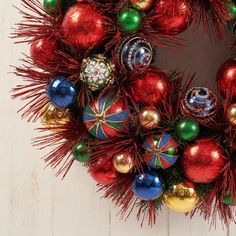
x,y
148,137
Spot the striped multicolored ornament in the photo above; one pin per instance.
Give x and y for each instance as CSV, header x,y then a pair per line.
x,y
106,116
161,151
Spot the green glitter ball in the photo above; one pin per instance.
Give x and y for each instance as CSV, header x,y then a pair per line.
x,y
80,152
129,20
51,5
97,72
187,129
228,201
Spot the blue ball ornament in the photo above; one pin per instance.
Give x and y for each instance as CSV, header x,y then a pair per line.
x,y
61,92
148,186
200,103
133,52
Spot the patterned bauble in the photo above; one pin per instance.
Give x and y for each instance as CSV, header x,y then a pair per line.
x,y
123,162
106,116
148,186
231,114
226,79
61,92
203,161
55,118
97,72
142,5
181,197
129,20
149,118
161,151
150,87
83,27
133,52
200,103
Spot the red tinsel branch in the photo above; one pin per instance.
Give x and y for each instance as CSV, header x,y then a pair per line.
x,y
212,15
213,205
64,137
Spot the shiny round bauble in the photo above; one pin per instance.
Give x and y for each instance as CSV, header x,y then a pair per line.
x,y
105,174
43,51
181,198
61,92
81,152
123,162
55,118
187,129
142,5
232,9
129,20
52,6
148,186
151,87
133,52
106,116
150,118
226,79
200,103
231,114
97,72
161,151
229,200
172,17
203,161
83,27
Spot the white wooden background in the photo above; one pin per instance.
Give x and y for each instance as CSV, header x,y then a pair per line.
x,y
35,203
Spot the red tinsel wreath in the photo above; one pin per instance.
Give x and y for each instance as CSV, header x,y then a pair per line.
x,y
146,136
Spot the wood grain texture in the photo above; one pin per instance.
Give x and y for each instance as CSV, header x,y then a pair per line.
x,y
35,203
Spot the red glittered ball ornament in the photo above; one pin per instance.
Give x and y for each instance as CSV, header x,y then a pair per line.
x,y
105,174
150,87
172,17
83,27
44,51
226,79
203,161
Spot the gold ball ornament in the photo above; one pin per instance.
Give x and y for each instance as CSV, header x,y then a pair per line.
x,y
143,5
231,114
54,117
181,198
150,118
123,162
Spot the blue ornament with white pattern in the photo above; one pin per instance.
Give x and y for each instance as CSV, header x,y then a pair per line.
x,y
200,103
133,52
61,92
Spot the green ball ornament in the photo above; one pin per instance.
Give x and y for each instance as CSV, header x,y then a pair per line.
x,y
80,152
228,199
187,129
232,8
129,20
51,5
